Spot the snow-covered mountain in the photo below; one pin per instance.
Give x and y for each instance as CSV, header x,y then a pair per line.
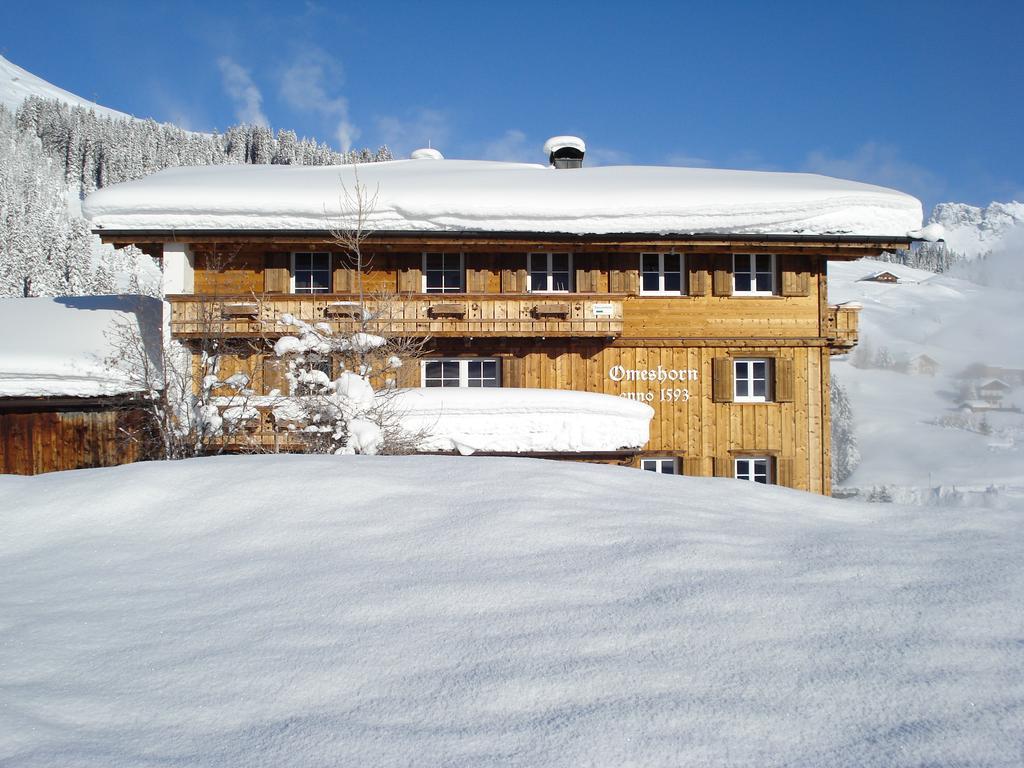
x,y
17,84
973,231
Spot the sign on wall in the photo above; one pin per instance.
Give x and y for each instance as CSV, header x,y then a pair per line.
x,y
660,375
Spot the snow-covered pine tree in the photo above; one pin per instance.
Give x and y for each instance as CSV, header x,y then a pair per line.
x,y
845,454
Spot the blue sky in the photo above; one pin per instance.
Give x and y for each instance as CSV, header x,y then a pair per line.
x,y
922,96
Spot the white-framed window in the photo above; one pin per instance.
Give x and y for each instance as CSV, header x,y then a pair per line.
x,y
661,274
442,273
751,380
753,274
313,376
550,272
665,465
311,272
757,469
461,372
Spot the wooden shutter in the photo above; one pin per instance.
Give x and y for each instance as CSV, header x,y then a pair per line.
x,y
273,376
795,275
784,472
277,277
721,380
695,466
586,274
513,273
724,466
344,280
625,280
479,267
410,272
721,284
784,384
696,275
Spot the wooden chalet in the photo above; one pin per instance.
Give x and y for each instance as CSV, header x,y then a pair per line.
x,y
593,279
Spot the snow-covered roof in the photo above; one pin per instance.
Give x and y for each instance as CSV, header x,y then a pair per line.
x,y
59,346
485,196
514,420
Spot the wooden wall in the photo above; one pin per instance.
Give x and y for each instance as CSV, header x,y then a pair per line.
x,y
32,442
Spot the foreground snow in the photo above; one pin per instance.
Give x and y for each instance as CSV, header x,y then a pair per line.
x,y
310,611
471,195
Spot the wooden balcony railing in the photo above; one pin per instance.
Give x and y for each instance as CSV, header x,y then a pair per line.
x,y
841,326
436,315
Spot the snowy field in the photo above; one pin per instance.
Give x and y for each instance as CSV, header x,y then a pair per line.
x,y
312,611
912,430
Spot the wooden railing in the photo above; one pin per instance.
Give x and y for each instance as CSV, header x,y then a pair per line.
x,y
436,315
841,326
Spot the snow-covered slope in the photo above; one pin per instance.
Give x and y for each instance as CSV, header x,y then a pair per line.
x,y
971,230
476,195
17,84
912,429
368,611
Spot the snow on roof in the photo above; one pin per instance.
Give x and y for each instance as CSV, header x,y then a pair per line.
x,y
556,143
996,384
477,195
514,420
58,346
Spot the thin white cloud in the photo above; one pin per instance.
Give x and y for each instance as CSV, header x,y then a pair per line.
x,y
685,160
419,128
243,92
878,163
511,146
606,156
306,85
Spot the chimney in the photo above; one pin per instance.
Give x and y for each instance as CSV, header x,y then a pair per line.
x,y
565,151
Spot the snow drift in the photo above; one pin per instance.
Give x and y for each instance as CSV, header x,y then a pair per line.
x,y
311,611
471,195
520,420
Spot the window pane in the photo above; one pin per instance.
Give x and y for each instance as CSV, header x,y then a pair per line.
x,y
741,369
538,281
764,282
742,282
742,262
760,367
759,388
321,282
452,280
560,281
673,281
490,369
435,281
742,388
668,467
560,262
538,262
742,469
649,262
649,281
671,262
650,466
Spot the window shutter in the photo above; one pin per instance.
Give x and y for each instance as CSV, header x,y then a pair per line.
x,y
724,466
721,380
796,279
696,276
784,472
344,274
586,278
722,281
695,466
513,273
273,376
410,272
784,383
277,273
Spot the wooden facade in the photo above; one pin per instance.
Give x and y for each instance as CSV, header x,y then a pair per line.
x,y
51,434
676,352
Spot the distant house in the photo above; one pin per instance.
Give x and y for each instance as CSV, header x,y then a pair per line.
x,y
923,365
63,403
993,391
883,276
981,371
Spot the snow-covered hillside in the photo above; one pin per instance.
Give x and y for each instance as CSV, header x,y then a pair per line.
x,y
920,428
972,231
310,611
17,84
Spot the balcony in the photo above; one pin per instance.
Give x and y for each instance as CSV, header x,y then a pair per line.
x,y
434,315
841,327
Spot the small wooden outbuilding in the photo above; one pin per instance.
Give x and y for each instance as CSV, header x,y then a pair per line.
x,y
65,403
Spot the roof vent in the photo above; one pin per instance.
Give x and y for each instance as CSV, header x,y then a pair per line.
x,y
426,153
565,151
